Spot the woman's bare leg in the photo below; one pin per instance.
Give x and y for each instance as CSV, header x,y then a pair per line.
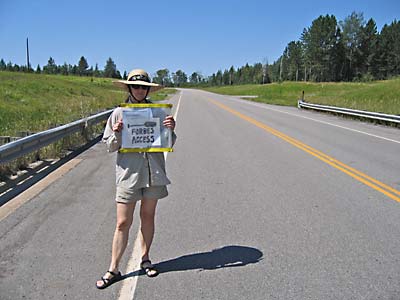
x,y
147,216
124,221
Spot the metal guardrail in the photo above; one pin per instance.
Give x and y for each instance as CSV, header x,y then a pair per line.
x,y
38,140
352,112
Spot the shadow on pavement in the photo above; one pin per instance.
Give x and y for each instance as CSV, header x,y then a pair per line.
x,y
225,257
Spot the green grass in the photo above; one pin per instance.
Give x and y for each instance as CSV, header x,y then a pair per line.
x,y
33,102
162,94
376,96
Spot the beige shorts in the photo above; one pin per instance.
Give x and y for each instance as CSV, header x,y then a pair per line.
x,y
152,192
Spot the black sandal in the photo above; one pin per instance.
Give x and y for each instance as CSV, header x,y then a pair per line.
x,y
109,281
149,269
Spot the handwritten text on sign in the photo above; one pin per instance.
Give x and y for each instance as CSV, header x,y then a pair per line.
x,y
141,130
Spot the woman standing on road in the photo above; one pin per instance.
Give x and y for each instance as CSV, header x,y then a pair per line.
x,y
139,177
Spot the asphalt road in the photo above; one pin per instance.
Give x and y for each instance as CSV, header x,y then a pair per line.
x,y
267,202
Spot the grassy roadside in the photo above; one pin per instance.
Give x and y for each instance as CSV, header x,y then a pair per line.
x,y
376,96
162,94
33,102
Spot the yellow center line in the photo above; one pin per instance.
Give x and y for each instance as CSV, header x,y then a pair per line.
x,y
361,177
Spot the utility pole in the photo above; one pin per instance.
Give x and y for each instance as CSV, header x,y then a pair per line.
x,y
27,55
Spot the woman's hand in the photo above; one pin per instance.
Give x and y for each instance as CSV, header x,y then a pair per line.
x,y
169,122
117,126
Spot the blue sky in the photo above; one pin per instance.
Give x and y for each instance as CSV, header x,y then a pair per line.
x,y
201,36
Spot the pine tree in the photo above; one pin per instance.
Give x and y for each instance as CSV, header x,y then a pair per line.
x,y
64,69
110,70
194,78
352,36
368,47
82,66
390,49
162,77
231,75
51,67
179,78
3,65
258,73
319,42
294,61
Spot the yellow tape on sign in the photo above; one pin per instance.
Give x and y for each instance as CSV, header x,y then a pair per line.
x,y
147,105
130,150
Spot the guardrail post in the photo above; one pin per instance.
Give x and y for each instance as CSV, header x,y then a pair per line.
x,y
4,140
23,133
301,100
85,131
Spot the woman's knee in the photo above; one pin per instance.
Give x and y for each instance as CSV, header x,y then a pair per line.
x,y
124,215
124,224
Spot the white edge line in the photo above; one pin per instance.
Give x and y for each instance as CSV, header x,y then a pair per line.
x,y
177,107
127,291
319,121
129,284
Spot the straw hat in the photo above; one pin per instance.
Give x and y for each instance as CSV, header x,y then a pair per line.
x,y
136,77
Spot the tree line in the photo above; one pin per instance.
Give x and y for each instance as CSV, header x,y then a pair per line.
x,y
82,69
328,50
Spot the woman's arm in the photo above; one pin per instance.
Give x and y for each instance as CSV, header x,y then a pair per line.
x,y
112,132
